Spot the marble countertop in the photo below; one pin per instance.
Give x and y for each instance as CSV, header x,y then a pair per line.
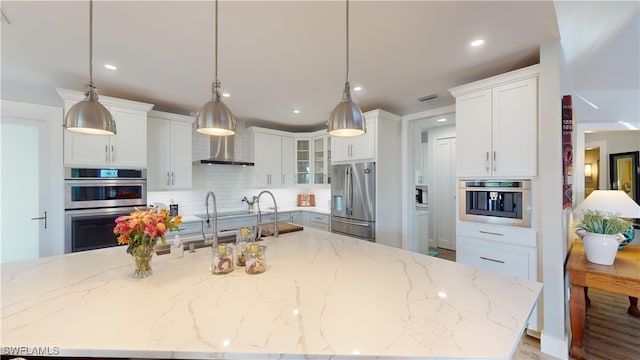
x,y
323,296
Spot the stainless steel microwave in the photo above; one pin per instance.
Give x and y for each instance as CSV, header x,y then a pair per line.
x,y
502,202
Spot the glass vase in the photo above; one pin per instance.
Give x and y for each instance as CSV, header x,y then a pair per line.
x,y
142,257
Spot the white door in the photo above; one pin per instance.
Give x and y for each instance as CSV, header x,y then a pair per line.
x,y
31,181
445,200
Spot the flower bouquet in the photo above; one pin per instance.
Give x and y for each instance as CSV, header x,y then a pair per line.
x,y
141,230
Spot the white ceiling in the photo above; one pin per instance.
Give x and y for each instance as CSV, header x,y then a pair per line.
x,y
277,56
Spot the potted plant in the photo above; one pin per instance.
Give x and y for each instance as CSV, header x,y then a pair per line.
x,y
602,233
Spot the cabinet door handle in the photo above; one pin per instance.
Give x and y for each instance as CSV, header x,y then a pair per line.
x,y
168,178
113,154
490,259
486,162
42,218
282,179
494,160
490,233
106,153
173,178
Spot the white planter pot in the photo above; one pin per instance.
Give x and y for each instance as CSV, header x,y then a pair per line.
x,y
600,248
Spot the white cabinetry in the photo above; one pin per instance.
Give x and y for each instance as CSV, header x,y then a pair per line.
x,y
422,227
321,159
169,161
303,161
311,219
358,148
126,149
313,158
273,154
496,125
507,250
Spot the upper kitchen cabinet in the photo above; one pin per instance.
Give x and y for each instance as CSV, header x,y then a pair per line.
x,y
496,125
303,161
357,148
126,149
313,158
169,160
380,125
273,155
321,159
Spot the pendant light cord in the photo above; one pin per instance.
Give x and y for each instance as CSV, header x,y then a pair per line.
x,y
90,44
347,41
216,43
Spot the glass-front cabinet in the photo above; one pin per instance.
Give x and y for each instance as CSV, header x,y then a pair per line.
x,y
313,158
303,161
321,160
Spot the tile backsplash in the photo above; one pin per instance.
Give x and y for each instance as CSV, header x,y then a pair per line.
x,y
230,183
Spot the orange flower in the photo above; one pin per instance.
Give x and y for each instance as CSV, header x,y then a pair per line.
x,y
144,227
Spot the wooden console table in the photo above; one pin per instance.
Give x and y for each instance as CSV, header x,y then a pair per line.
x,y
623,277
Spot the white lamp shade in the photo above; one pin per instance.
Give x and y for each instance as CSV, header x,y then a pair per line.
x,y
611,201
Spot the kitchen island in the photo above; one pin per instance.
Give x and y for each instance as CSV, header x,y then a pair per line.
x,y
323,296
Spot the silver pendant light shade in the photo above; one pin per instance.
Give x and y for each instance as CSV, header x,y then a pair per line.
x,y
89,116
214,117
347,119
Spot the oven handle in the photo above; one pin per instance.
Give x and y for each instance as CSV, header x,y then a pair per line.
x,y
102,211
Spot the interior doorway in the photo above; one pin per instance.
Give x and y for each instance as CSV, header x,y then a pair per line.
x,y
591,170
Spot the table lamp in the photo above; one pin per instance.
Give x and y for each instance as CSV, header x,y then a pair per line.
x,y
600,245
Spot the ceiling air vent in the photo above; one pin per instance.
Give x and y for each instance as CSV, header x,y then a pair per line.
x,y
428,97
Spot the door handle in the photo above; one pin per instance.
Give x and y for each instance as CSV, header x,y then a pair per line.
x,y
486,161
173,178
42,218
106,153
113,157
492,260
168,178
351,222
494,160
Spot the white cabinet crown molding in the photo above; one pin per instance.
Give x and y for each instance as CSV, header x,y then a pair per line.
x,y
105,100
515,75
171,116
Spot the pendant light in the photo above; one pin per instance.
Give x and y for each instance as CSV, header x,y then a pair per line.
x,y
214,117
346,118
89,116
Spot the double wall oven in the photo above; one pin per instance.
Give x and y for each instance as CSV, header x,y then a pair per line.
x,y
94,198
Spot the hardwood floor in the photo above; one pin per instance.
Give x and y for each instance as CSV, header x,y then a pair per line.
x,y
609,334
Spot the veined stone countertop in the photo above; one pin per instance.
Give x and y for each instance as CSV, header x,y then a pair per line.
x,y
323,296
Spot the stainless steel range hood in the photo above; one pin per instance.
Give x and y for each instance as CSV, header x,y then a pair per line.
x,y
222,152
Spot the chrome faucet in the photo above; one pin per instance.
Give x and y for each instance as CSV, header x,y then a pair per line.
x,y
215,219
275,220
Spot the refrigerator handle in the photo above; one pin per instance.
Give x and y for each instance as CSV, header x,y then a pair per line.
x,y
349,186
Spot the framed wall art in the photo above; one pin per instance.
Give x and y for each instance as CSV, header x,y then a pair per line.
x,y
624,173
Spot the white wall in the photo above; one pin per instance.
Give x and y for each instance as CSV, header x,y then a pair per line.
x,y
553,222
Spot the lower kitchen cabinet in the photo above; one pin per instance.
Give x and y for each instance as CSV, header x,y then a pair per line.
x,y
508,250
311,219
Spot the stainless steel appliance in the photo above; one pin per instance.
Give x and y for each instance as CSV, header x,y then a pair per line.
x,y
353,200
502,202
94,198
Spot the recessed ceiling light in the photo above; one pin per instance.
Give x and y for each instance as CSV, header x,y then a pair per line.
x,y
442,120
357,88
296,111
477,42
226,95
110,66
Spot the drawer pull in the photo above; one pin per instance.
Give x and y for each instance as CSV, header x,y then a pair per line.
x,y
490,233
489,259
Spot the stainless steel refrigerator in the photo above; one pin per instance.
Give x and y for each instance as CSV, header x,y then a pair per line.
x,y
353,203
